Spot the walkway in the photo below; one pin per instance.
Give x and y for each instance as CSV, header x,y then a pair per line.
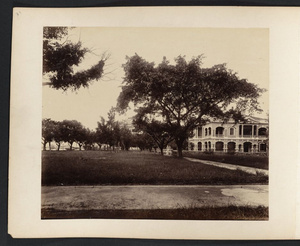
x,y
70,198
251,170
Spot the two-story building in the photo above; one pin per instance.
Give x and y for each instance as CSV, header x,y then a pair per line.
x,y
218,136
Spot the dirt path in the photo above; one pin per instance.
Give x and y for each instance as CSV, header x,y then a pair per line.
x,y
152,197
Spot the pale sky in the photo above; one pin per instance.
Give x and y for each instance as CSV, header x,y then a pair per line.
x,y
245,51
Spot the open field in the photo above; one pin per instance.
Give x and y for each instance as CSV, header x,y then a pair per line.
x,y
206,213
134,168
242,160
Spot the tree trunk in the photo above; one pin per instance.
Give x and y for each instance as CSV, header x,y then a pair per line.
x,y
161,150
49,145
44,146
79,146
58,146
71,144
179,144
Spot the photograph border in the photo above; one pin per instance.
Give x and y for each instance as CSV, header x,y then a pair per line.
x,y
177,241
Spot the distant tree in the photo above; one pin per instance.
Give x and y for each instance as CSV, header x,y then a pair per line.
x,y
60,56
102,133
58,135
108,131
143,141
71,132
80,136
90,139
157,130
126,137
185,95
48,132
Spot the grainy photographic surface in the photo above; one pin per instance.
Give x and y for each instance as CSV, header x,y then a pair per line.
x,y
155,123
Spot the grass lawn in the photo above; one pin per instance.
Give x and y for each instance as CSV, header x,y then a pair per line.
x,y
134,168
206,213
242,160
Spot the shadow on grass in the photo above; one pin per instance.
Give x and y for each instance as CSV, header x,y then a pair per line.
x,y
204,213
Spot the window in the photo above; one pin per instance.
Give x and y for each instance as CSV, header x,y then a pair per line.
x,y
199,146
262,131
199,131
219,131
231,131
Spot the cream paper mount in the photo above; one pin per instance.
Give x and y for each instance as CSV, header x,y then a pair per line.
x,y
282,28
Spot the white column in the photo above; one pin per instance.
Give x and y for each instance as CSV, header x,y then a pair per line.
x,y
243,132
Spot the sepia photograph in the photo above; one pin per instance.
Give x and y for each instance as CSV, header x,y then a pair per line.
x,y
155,123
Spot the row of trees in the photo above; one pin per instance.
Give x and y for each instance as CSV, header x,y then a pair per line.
x,y
109,132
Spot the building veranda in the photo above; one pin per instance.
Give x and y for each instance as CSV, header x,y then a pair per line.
x,y
217,136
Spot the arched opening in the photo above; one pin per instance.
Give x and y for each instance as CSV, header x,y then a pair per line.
x,y
209,131
247,147
219,146
231,131
205,145
205,131
199,146
209,146
240,147
231,146
219,131
262,131
255,130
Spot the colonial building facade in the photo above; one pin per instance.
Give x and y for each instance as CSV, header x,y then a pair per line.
x,y
217,136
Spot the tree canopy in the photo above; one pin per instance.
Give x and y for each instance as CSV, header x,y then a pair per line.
x,y
185,95
157,130
61,56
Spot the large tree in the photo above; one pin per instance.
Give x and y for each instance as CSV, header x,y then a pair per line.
x,y
60,56
184,95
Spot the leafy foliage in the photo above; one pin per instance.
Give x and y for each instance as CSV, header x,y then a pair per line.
x,y
185,95
72,131
157,130
59,59
48,131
